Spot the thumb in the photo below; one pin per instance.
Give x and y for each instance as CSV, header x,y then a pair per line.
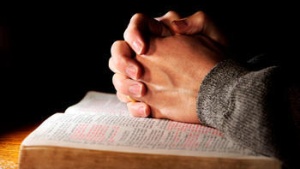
x,y
199,23
139,30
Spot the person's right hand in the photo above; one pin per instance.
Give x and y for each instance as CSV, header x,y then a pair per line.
x,y
141,27
174,68
137,34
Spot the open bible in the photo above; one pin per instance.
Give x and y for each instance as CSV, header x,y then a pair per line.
x,y
99,132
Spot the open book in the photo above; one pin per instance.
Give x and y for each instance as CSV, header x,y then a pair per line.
x,y
99,132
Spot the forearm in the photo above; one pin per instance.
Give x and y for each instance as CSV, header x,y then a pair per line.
x,y
238,102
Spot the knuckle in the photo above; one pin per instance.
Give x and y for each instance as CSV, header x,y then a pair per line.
x,y
117,81
171,13
115,46
201,15
133,23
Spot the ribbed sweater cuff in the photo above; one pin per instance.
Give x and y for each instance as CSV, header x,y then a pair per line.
x,y
213,95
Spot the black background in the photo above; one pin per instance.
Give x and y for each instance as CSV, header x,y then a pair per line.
x,y
56,51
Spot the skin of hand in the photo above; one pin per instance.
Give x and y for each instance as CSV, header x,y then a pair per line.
x,y
137,34
174,68
141,27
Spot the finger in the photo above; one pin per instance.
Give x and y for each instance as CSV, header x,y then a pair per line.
x,y
140,28
190,25
121,55
138,109
122,62
127,86
199,23
168,18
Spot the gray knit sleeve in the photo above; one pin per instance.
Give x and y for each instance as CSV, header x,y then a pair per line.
x,y
234,100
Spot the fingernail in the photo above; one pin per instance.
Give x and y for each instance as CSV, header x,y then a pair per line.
x,y
135,90
180,23
137,46
140,110
131,71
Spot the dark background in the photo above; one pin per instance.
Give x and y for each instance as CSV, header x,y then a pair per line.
x,y
52,53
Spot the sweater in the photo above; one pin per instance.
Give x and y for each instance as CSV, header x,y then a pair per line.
x,y
252,107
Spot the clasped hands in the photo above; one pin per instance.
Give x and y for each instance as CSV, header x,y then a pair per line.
x,y
162,62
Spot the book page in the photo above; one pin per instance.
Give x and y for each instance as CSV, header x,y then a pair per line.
x,y
129,134
101,103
